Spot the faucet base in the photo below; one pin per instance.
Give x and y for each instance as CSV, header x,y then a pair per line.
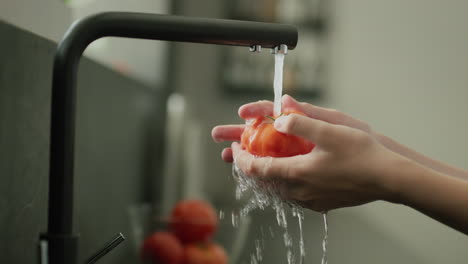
x,y
58,249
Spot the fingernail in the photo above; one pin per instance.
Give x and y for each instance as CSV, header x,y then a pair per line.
x,y
279,123
234,145
290,98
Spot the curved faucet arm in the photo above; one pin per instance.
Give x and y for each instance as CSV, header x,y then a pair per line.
x,y
129,25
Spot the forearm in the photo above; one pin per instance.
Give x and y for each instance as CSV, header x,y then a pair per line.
x,y
439,196
421,159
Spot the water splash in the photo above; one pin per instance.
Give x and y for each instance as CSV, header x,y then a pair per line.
x,y
221,214
253,259
258,250
278,82
325,238
235,219
263,195
299,213
272,234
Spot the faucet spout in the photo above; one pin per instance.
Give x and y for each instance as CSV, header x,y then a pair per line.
x,y
59,237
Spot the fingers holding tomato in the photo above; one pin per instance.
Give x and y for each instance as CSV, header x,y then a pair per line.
x,y
260,138
256,110
227,133
227,155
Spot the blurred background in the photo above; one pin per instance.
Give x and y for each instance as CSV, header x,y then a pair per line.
x,y
402,66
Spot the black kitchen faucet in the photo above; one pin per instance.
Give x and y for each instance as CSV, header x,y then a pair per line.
x,y
59,243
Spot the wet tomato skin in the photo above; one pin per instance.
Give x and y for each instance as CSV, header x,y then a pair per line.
x,y
260,138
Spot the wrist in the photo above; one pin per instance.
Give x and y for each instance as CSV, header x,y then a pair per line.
x,y
398,173
385,141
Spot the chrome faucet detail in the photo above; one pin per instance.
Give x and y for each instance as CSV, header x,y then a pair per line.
x,y
282,48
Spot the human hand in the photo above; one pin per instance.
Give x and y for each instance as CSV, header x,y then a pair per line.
x,y
343,169
339,118
233,132
350,165
265,108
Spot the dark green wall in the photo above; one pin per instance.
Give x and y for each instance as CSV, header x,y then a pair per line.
x,y
116,157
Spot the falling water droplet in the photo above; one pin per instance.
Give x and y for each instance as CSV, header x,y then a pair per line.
x,y
258,250
265,196
221,214
325,238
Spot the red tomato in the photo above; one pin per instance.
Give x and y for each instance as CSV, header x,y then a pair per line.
x,y
261,139
205,253
193,221
162,248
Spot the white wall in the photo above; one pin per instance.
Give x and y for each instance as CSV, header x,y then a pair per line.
x,y
48,18
403,67
143,59
140,59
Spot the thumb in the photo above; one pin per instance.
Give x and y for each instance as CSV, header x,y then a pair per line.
x,y
317,131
